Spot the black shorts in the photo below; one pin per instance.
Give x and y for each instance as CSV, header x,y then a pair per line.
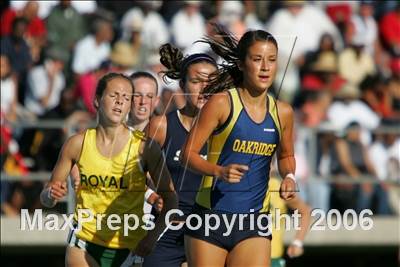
x,y
245,225
169,250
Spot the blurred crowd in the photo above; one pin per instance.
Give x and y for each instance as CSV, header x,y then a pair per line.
x,y
339,66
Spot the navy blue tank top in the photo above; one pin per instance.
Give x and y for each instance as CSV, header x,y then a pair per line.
x,y
186,183
242,141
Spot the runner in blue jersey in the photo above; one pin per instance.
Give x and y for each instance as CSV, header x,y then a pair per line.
x,y
244,127
171,131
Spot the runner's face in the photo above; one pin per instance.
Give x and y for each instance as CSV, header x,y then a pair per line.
x,y
145,98
116,100
260,65
197,78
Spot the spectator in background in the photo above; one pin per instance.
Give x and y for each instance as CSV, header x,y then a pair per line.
x,y
154,32
86,86
320,81
129,19
140,49
364,24
85,7
349,158
122,58
251,18
44,6
93,49
309,23
377,95
187,25
314,111
36,30
231,15
324,74
46,82
36,33
65,27
136,51
380,154
326,44
354,62
18,52
35,25
8,90
389,28
340,13
348,108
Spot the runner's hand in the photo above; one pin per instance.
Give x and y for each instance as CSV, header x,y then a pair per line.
x,y
233,173
288,189
156,201
58,190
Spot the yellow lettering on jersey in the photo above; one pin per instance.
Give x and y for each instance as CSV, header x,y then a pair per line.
x,y
253,147
242,148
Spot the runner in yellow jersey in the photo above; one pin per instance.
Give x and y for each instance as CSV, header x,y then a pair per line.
x,y
112,162
295,249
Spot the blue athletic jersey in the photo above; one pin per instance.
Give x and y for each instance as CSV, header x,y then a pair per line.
x,y
242,141
186,183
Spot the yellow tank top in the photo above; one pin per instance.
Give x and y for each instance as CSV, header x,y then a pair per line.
x,y
111,186
276,203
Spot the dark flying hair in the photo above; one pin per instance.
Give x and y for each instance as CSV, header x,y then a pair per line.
x,y
225,45
177,65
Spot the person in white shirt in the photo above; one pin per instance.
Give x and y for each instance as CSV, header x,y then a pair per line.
x,y
308,23
154,32
187,25
93,49
45,83
383,152
8,89
350,108
364,24
387,166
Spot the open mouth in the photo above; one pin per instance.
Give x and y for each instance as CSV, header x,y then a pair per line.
x,y
117,110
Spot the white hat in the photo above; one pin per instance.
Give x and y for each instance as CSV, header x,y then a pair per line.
x,y
123,55
137,23
232,7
